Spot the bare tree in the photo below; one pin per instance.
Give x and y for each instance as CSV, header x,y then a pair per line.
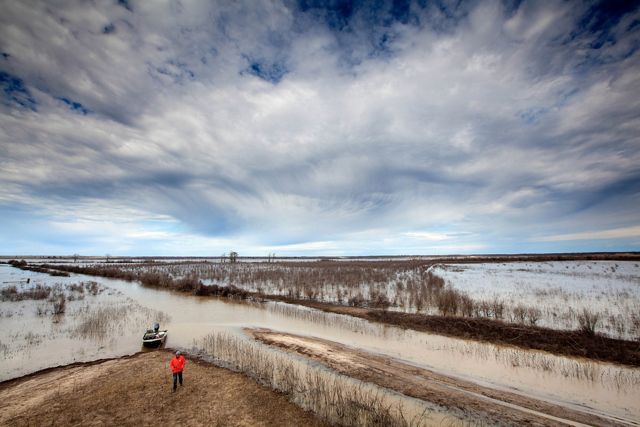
x,y
233,256
75,257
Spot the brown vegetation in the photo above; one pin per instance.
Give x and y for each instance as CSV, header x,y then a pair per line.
x,y
22,265
38,292
569,343
333,397
189,284
588,322
59,303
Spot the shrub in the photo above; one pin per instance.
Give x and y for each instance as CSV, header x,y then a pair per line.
x,y
534,314
520,313
187,284
77,287
484,308
379,300
467,306
10,293
434,283
92,287
356,301
497,307
38,292
18,264
58,273
588,322
448,301
222,291
59,304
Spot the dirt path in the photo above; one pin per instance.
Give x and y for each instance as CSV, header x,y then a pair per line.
x,y
462,397
135,391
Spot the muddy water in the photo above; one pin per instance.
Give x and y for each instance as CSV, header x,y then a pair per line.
x,y
602,388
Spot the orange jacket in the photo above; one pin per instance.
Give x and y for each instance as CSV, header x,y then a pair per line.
x,y
177,364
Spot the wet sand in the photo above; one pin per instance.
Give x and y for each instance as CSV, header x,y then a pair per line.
x,y
136,390
467,399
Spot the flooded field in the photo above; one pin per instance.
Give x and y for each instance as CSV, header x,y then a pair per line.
x,y
556,294
107,319
597,296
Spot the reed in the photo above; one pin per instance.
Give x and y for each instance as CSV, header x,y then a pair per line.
x,y
336,398
588,321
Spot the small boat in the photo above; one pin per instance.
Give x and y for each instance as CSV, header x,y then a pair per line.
x,y
154,337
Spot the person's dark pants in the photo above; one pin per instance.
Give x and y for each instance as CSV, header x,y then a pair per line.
x,y
177,376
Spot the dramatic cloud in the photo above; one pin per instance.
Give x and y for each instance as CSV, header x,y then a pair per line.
x,y
311,127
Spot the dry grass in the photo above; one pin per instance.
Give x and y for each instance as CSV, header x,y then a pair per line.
x,y
59,303
333,397
38,292
110,320
588,322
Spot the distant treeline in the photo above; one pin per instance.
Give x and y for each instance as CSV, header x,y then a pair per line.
x,y
154,280
23,265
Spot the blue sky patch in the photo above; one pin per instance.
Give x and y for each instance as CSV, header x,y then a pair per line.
x,y
15,93
109,28
272,72
75,106
126,4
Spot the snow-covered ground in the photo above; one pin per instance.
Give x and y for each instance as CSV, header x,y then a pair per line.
x,y
560,290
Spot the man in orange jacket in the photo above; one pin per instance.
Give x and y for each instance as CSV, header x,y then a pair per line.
x,y
177,366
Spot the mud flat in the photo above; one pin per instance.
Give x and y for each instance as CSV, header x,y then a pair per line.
x,y
475,401
136,390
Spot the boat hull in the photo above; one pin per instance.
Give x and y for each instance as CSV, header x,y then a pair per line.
x,y
154,339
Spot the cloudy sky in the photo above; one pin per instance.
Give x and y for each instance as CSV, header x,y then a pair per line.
x,y
190,127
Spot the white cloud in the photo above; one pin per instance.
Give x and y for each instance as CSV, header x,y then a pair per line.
x,y
425,235
616,233
491,126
